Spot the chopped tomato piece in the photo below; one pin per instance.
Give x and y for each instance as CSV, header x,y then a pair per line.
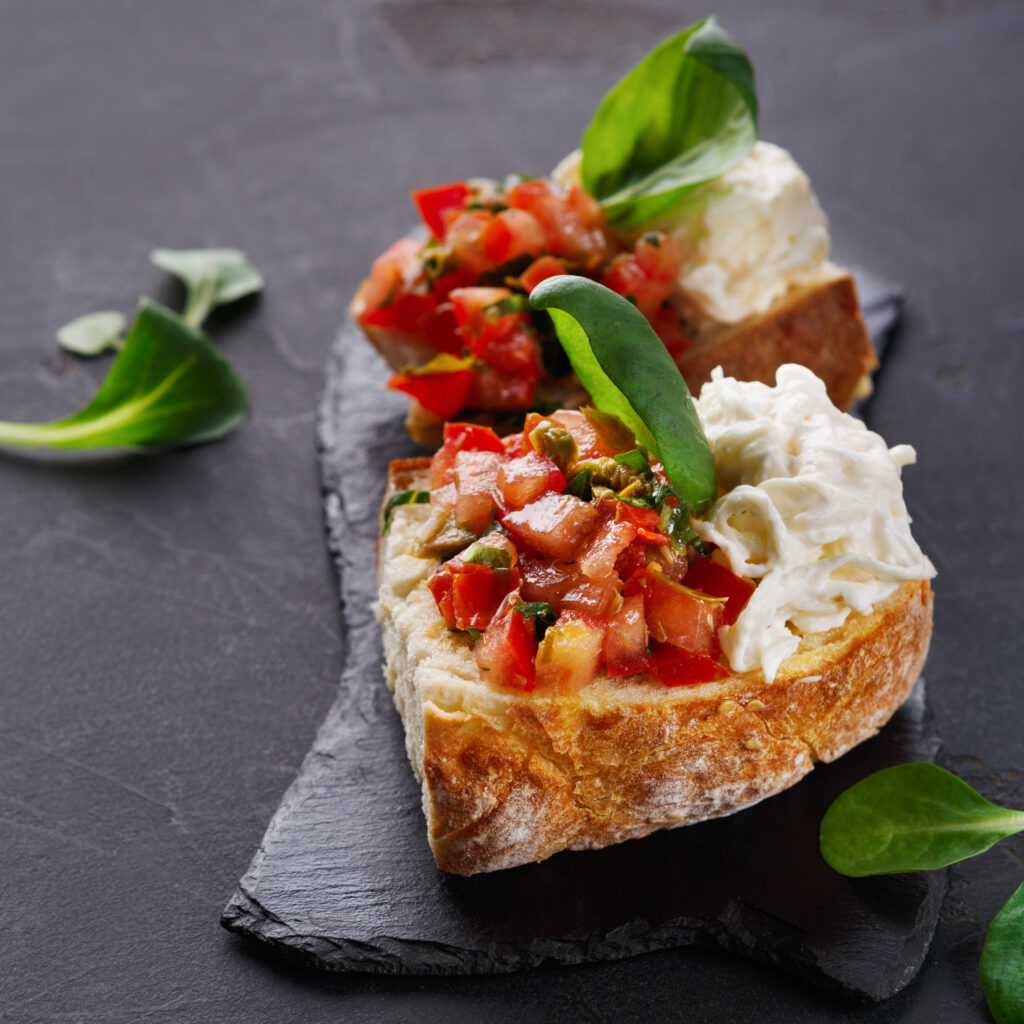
x,y
515,445
522,480
668,326
675,667
554,524
625,645
472,305
564,587
653,536
707,576
631,565
642,518
601,550
506,653
436,205
512,233
468,595
503,392
443,394
464,237
589,442
680,616
460,437
540,270
570,653
475,474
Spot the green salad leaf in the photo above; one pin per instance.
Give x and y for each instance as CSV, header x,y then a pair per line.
x,y
168,386
684,115
629,373
212,277
1002,962
93,333
911,817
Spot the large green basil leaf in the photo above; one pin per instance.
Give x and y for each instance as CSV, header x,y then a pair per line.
x,y
911,817
1002,962
628,372
684,115
168,386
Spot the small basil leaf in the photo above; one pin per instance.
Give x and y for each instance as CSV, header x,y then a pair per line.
x,y
212,277
629,373
635,460
536,610
93,333
1002,962
580,485
402,498
493,558
168,386
686,114
911,817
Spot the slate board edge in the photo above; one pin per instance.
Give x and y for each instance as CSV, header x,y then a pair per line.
x,y
246,916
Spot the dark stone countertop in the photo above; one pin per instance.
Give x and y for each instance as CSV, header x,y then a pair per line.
x,y
171,638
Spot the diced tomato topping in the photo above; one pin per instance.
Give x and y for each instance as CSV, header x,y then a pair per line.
x,y
631,566
460,437
475,474
436,205
507,651
668,326
512,233
471,309
443,394
676,667
570,653
600,552
589,442
469,594
680,616
523,479
515,446
502,392
540,270
554,524
642,518
564,587
464,237
707,576
625,645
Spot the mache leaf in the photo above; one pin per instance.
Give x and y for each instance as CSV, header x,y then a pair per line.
x,y
1002,962
911,817
629,373
212,277
169,386
93,333
684,115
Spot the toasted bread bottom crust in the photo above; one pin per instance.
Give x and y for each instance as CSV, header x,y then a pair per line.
x,y
510,778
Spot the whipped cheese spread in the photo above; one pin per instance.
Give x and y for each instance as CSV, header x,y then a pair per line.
x,y
749,236
814,511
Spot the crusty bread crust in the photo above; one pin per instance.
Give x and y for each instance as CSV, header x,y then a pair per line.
x,y
819,326
510,778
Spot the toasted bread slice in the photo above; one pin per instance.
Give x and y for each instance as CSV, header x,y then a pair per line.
x,y
511,777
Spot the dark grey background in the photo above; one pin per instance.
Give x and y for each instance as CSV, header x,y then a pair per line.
x,y
170,637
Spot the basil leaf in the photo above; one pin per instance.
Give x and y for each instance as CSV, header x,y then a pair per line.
x,y
635,460
474,634
629,373
168,386
686,114
912,817
580,485
212,277
1002,962
402,498
93,333
536,610
493,558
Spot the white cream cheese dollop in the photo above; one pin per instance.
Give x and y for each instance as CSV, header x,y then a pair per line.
x,y
814,510
749,235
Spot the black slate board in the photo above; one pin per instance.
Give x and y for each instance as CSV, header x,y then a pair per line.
x,y
344,880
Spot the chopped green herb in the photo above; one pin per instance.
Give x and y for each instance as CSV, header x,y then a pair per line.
x,y
493,558
634,459
536,610
474,634
580,485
